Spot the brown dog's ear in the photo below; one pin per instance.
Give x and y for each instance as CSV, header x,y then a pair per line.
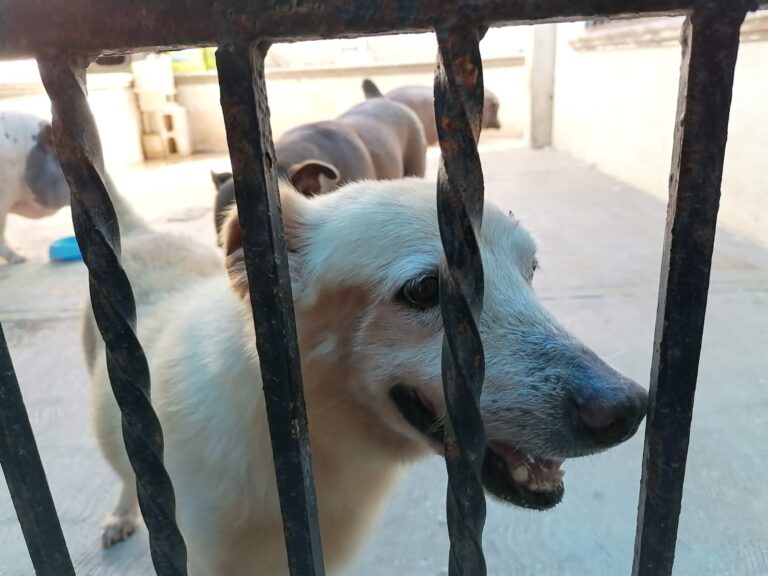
x,y
295,224
306,176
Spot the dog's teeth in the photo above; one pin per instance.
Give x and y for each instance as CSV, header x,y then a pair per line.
x,y
520,474
541,487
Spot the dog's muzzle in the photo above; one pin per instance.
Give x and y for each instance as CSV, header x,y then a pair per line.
x,y
508,474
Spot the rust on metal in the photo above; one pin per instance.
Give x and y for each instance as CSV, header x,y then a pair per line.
x,y
246,117
459,96
710,46
32,27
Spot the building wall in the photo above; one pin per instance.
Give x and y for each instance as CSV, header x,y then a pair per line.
x,y
110,95
299,96
615,102
318,80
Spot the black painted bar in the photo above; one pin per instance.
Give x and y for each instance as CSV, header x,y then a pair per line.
x,y
460,191
98,235
32,27
246,117
710,45
26,479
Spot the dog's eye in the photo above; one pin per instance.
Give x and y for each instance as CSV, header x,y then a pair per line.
x,y
421,293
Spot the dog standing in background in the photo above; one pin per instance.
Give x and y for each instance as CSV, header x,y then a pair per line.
x,y
374,140
420,99
33,184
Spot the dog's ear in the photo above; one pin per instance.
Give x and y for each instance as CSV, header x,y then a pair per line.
x,y
220,178
295,225
306,176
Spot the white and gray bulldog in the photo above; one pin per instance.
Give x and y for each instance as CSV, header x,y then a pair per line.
x,y
32,183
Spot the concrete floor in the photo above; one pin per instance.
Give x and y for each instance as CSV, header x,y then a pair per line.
x,y
600,250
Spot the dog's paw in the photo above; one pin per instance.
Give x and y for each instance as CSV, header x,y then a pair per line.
x,y
117,528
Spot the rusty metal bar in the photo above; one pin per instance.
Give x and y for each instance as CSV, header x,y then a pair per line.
x,y
30,27
26,479
249,135
458,115
98,235
710,46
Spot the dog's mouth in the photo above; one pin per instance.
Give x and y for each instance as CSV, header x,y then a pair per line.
x,y
509,474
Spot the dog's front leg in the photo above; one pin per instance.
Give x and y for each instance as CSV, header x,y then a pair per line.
x,y
5,251
123,520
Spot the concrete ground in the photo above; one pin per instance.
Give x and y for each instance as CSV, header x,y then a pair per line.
x,y
600,250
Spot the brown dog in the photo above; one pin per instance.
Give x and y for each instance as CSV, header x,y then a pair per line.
x,y
375,140
420,99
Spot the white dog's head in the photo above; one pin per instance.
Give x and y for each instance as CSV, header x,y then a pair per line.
x,y
364,265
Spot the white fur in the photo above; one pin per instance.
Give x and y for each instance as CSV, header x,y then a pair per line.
x,y
19,132
350,252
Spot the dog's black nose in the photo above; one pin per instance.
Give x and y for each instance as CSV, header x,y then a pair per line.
x,y
608,421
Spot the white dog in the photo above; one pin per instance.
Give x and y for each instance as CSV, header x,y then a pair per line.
x,y
364,263
32,183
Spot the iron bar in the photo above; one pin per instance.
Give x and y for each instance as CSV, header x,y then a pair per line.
x,y
26,479
249,135
98,235
458,114
31,27
710,46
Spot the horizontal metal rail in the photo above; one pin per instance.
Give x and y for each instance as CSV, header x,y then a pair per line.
x,y
33,27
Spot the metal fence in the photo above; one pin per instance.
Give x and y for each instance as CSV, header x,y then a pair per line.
x,y
66,36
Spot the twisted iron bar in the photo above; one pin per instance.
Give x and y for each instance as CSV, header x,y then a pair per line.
x,y
458,115
98,235
26,479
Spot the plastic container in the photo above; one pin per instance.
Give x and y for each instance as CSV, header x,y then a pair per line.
x,y
65,250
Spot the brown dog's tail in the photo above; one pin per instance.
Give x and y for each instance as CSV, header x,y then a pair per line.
x,y
371,90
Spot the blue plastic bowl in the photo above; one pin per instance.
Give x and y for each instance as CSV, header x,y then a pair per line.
x,y
65,250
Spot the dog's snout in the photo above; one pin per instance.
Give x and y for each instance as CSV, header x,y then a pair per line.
x,y
612,419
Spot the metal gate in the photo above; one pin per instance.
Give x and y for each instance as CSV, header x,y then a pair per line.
x,y
66,36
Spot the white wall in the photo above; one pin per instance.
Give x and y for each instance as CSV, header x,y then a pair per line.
x,y
318,80
615,106
309,95
110,96
388,49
